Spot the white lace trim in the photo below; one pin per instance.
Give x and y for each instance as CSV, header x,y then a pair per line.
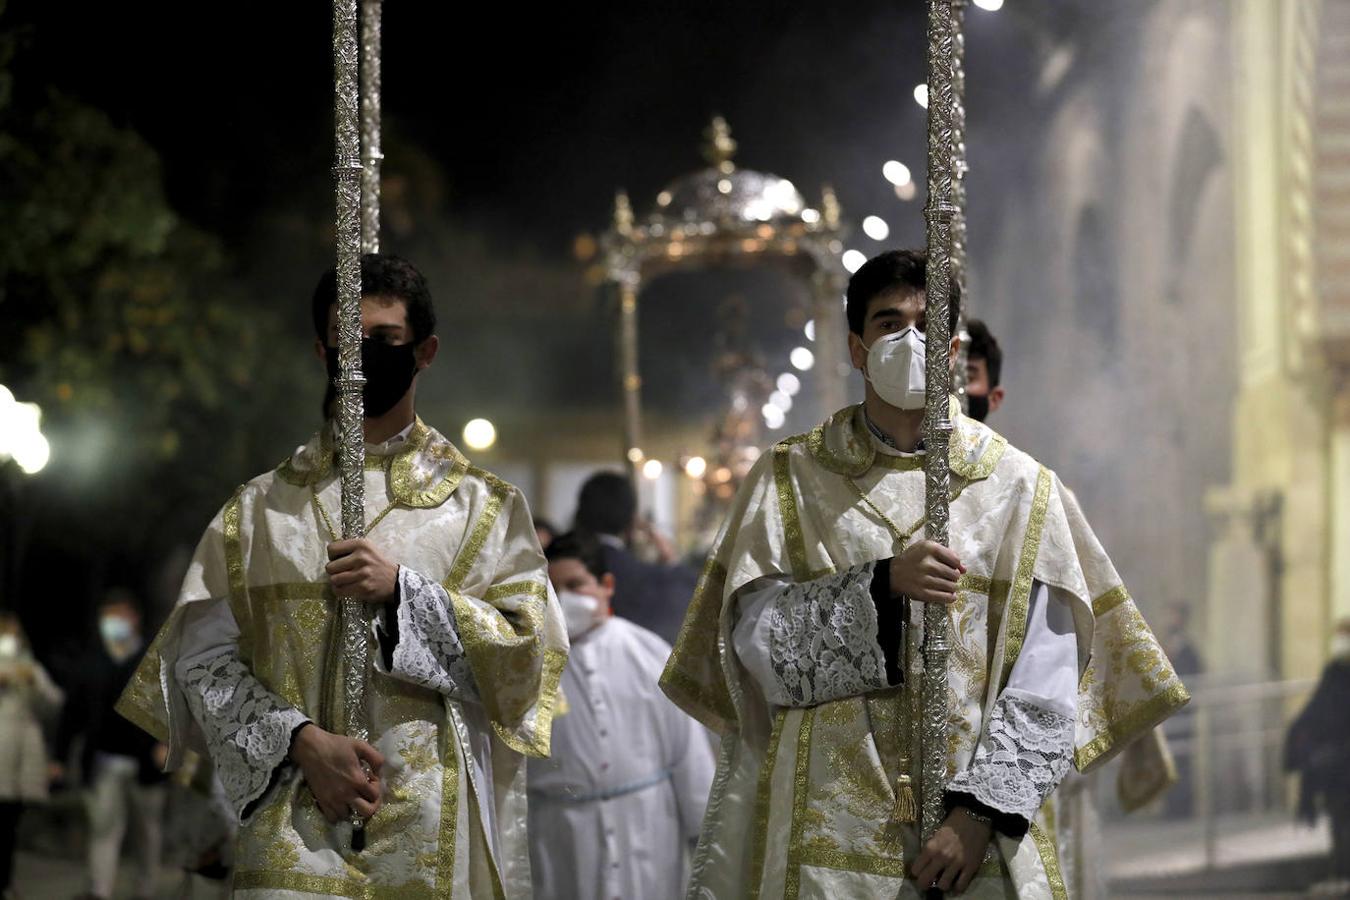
x,y
1024,756
823,639
247,728
429,652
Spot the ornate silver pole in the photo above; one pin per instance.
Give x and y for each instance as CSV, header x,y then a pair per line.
x,y
937,421
959,169
352,647
370,125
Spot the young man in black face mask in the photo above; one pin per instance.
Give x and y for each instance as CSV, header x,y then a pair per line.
x,y
467,646
984,368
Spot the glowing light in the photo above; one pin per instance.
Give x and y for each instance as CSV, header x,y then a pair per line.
x,y
663,198
724,186
897,173
990,5
695,466
651,469
801,358
635,455
21,434
810,330
480,434
781,400
921,95
31,451
773,416
789,384
876,228
853,260
810,216
906,191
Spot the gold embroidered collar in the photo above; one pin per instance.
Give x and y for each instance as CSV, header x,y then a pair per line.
x,y
424,471
844,444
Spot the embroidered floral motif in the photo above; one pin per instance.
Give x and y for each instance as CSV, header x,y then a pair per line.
x,y
823,639
429,651
1025,754
247,727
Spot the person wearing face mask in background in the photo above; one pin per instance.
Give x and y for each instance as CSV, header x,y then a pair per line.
x,y
1317,747
984,371
119,764
1148,769
467,645
27,694
616,807
801,646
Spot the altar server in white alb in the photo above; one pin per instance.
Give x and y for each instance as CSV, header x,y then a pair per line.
x,y
802,646
468,647
615,811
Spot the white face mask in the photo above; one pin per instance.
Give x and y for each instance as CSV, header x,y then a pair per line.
x,y
581,612
9,646
895,367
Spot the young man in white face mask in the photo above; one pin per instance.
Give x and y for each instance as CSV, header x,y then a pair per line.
x,y
801,646
615,808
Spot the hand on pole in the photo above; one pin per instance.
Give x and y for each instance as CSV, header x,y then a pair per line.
x,y
927,572
953,854
358,571
342,773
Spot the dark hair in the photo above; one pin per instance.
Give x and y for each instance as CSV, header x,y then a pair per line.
x,y
120,596
904,270
581,546
607,504
382,275
983,345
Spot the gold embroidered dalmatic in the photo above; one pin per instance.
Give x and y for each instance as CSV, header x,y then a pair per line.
x,y
805,802
453,819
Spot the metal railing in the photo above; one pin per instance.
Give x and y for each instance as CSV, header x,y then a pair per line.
x,y
1228,744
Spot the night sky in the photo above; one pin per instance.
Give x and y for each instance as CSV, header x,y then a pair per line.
x,y
535,116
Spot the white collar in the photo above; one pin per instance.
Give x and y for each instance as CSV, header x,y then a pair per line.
x,y
384,448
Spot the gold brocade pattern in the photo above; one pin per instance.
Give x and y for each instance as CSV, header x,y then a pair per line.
x,y
234,570
1015,524
1045,846
1123,641
336,887
788,511
762,798
445,862
265,532
468,553
423,473
1110,600
1020,596
801,786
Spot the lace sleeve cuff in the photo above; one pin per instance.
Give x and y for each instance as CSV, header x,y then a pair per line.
x,y
428,651
247,727
822,637
1025,753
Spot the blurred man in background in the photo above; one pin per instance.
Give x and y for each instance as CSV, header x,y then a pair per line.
x,y
1318,748
120,765
656,594
616,807
27,694
984,369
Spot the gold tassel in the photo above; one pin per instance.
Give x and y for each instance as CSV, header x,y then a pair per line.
x,y
906,810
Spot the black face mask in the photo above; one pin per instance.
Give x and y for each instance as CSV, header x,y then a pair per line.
x,y
389,371
977,406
